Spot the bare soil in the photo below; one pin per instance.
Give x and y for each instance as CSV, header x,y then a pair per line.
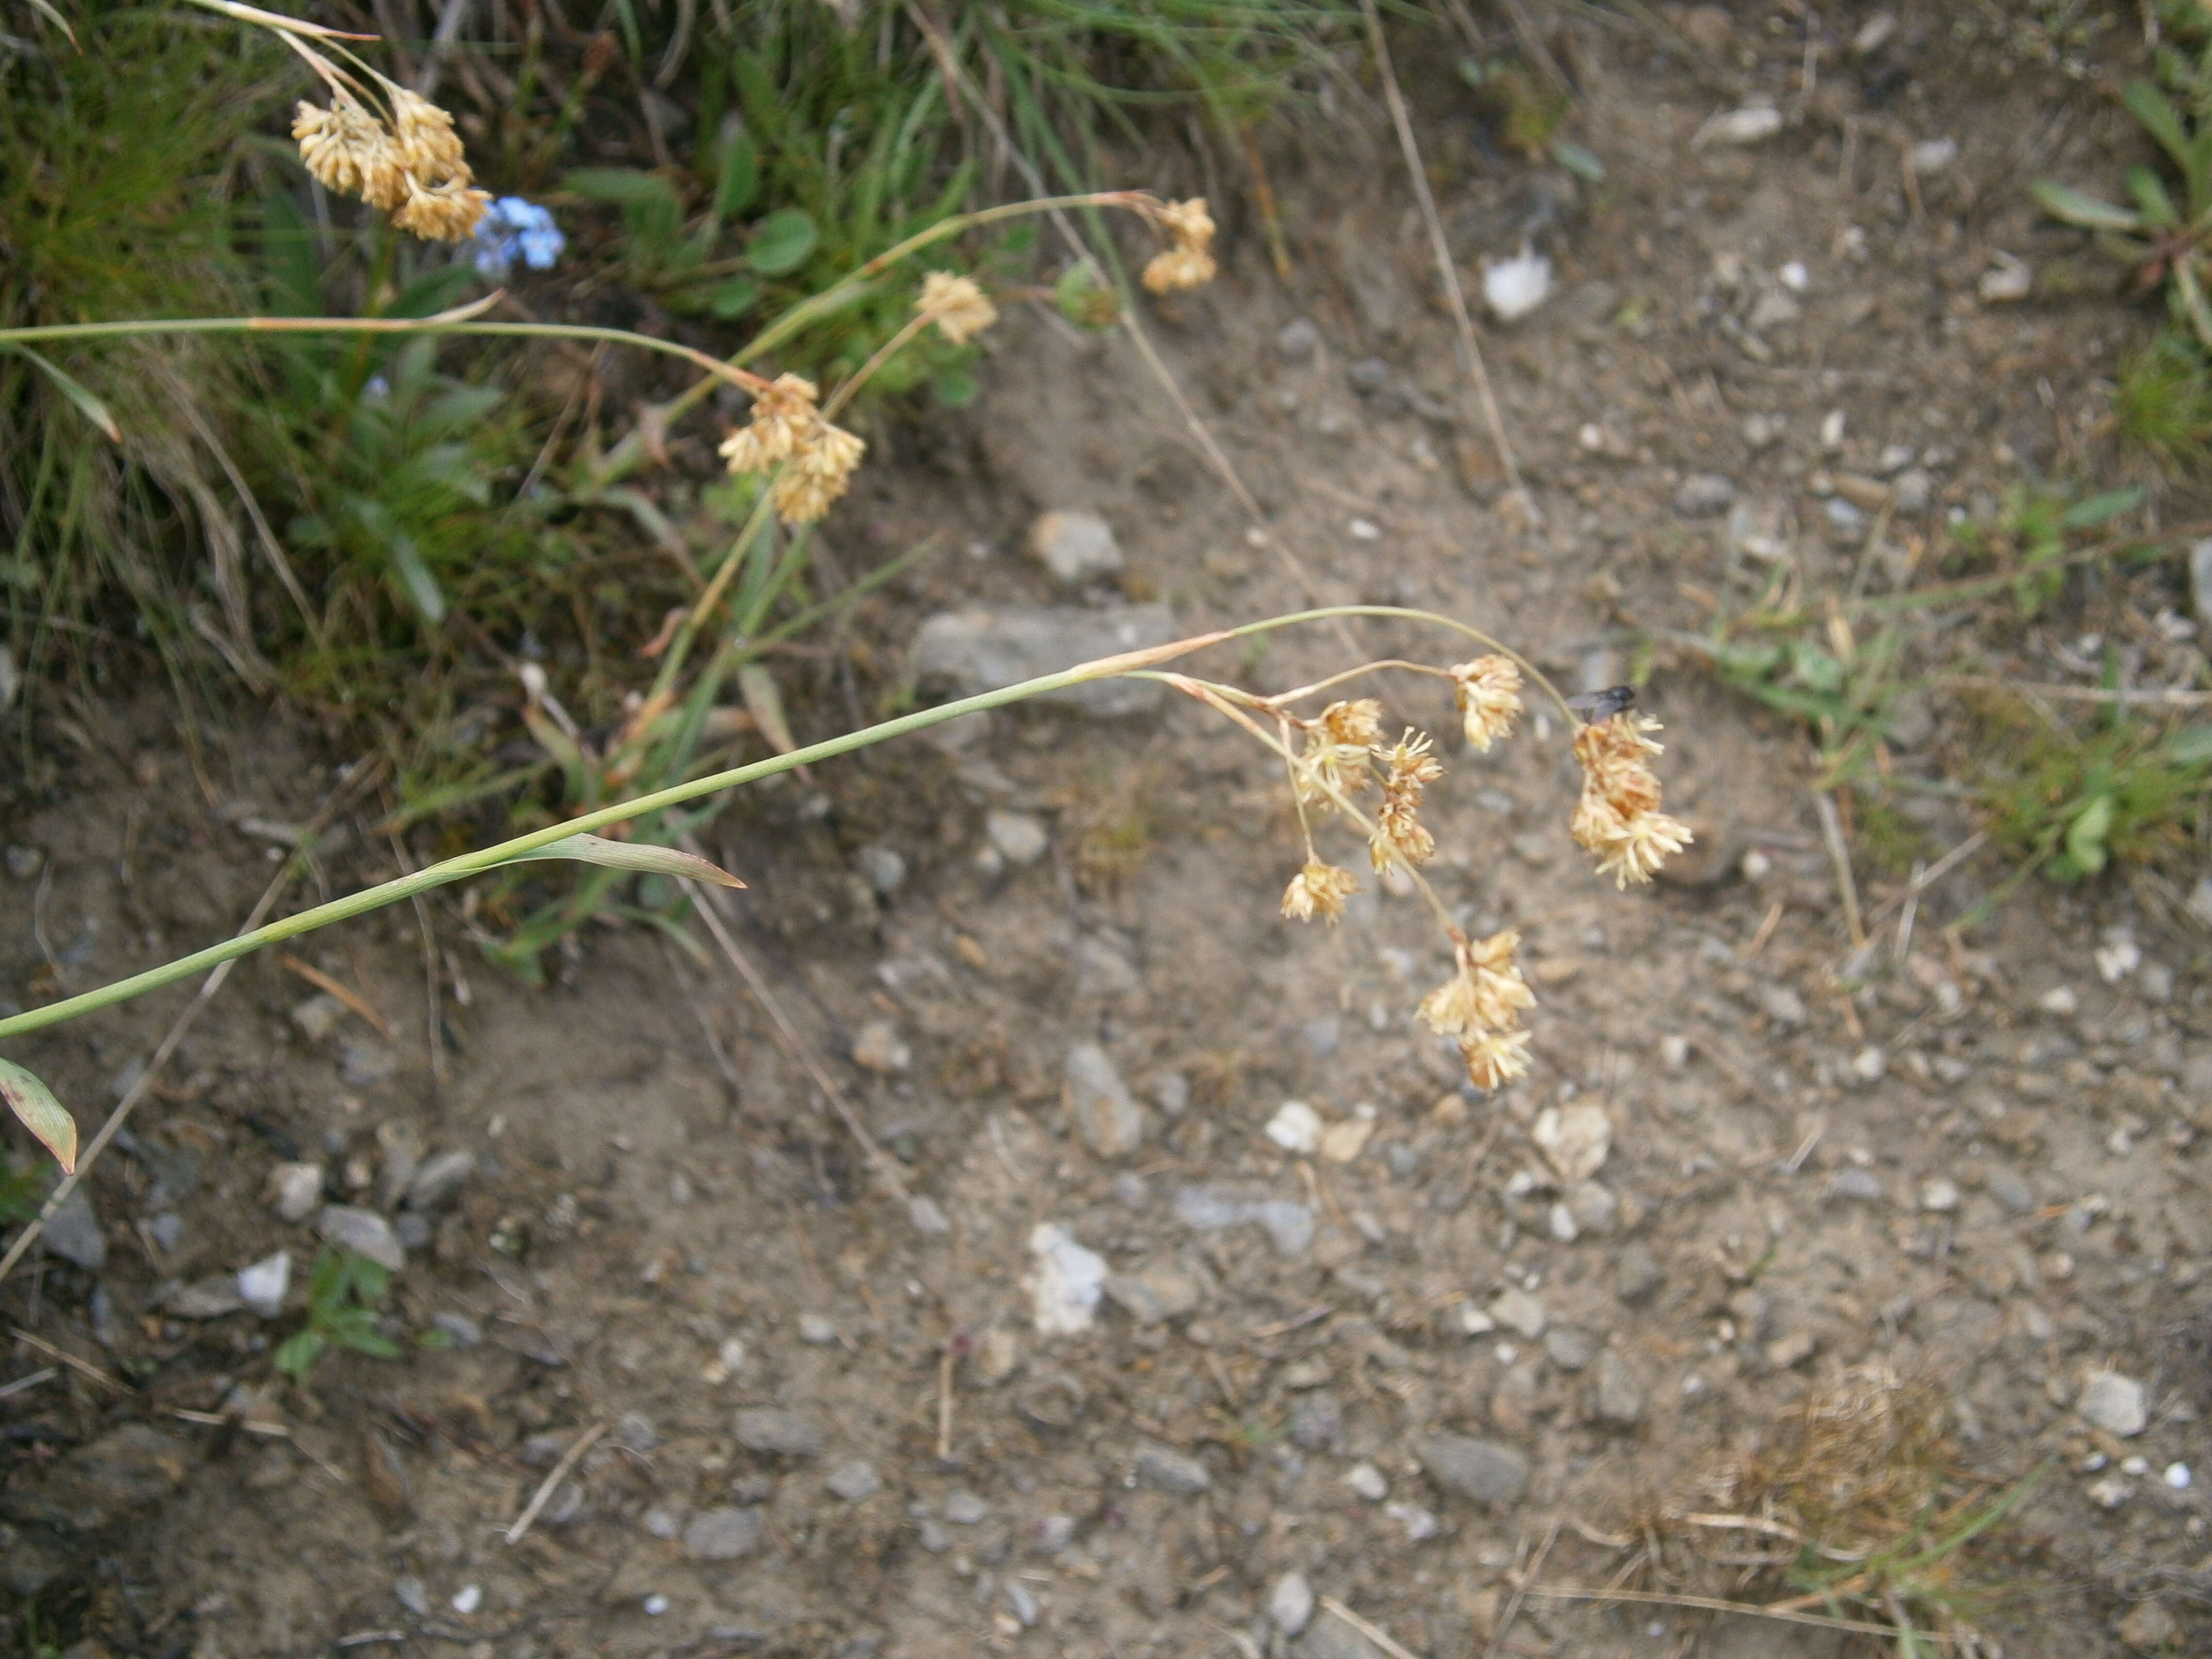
x,y
1984,1172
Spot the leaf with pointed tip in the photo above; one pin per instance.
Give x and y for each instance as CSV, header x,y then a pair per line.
x,y
2079,207
765,704
41,1114
633,855
77,393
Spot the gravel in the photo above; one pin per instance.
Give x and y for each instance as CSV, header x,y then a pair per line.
x,y
776,1433
1480,1471
362,1232
1170,1470
724,1534
968,651
2114,1403
1106,1114
1291,1603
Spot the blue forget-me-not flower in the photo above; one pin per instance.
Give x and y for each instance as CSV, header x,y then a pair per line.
x,y
515,228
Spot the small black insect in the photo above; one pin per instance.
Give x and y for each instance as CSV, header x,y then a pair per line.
x,y
1603,705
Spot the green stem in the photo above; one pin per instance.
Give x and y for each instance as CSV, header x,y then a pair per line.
x,y
490,858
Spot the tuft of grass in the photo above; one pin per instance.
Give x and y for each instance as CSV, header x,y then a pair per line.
x,y
2129,791
1871,1514
344,1293
2163,403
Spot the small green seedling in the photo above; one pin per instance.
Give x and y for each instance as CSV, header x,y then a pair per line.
x,y
343,1294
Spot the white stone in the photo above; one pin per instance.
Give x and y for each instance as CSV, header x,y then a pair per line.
x,y
1739,126
1938,1194
2007,282
262,1286
1366,1480
1574,1140
1075,546
1067,1285
1514,287
2177,1476
295,1189
2113,1403
1291,1604
2060,1000
1296,1127
1517,1310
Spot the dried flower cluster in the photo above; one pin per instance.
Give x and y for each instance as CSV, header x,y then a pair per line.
x,y
412,169
1341,753
960,309
1618,817
1480,1006
1189,262
1488,693
788,431
1399,837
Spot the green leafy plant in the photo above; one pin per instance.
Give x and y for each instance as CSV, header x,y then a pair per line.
x,y
2032,538
2128,792
2168,240
345,1293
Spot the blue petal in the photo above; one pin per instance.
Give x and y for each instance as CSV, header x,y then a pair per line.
x,y
540,248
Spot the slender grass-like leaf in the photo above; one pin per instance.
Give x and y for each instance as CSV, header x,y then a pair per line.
x,y
34,1105
633,855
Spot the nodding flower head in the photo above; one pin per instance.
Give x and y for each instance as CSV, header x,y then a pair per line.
x,y
959,308
1488,693
1189,262
447,212
1618,816
819,474
788,431
1340,748
1319,889
1399,837
412,169
348,150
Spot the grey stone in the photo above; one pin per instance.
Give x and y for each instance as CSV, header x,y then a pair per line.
x,y
2200,579
635,1432
964,1508
464,1331
1172,1093
1568,1349
1639,1275
1317,1421
778,1433
1157,1293
1323,1035
2114,1403
1704,495
1170,1470
1330,1637
1018,837
854,1480
73,1233
663,1522
362,1232
1103,969
24,862
437,1179
1913,491
1593,1206
125,1470
883,868
1517,1310
2009,1190
1291,1603
1480,1471
1619,1400
1299,340
969,652
1075,546
412,1228
1106,1115
318,1016
214,1297
1289,1226
1021,1602
723,1535
363,1065
927,1215
932,1536
1780,1004
816,1331
1855,1183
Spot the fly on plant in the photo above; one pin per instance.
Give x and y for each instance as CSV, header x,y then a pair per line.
x,y
1595,705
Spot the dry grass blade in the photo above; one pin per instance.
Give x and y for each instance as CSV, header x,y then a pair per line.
x,y
1747,1609
551,1483
797,1046
83,1367
1372,1632
1447,269
322,982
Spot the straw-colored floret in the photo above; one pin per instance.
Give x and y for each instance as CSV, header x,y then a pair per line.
x,y
1488,693
787,430
1618,816
1339,751
1399,837
1189,262
1485,991
1319,889
960,309
1496,1058
412,169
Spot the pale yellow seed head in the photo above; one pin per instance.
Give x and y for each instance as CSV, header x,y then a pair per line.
x,y
1319,889
1485,991
442,213
1189,223
429,147
783,420
347,150
1488,693
960,309
819,474
1495,1058
1179,268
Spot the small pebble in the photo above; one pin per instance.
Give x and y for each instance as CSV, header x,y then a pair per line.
x,y
2115,1403
1420,1523
1021,1602
654,1605
854,1480
1939,1195
1018,837
1291,1604
964,1508
468,1599
2177,1476
1568,1349
295,1189
816,1331
411,1593
1296,1127
1367,1482
1863,1184
23,862
877,1047
1517,1310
